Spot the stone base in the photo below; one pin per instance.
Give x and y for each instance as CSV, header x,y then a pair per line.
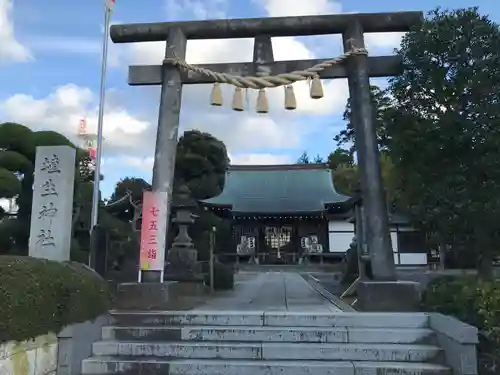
x,y
187,278
157,296
182,264
150,276
388,296
144,296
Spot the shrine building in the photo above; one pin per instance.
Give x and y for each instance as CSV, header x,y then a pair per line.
x,y
282,213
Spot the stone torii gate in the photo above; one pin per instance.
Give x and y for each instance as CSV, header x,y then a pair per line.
x,y
357,69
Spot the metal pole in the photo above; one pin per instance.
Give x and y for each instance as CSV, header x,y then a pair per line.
x,y
97,171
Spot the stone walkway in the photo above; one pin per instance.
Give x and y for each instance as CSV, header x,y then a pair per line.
x,y
271,291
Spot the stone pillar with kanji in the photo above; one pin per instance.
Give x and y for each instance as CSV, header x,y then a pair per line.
x,y
52,207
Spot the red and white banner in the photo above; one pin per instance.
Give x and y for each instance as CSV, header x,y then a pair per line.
x,y
153,231
82,128
110,4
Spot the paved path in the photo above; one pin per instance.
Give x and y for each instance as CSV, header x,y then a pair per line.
x,y
271,291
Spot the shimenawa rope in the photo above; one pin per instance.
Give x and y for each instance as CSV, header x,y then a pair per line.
x,y
267,81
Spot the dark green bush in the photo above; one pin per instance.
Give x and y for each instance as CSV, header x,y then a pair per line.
x,y
223,277
38,296
468,299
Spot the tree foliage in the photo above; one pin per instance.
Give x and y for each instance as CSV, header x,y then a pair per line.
x,y
136,187
380,102
443,129
17,159
346,179
201,163
340,158
304,158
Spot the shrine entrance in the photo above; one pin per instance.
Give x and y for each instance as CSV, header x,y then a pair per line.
x,y
276,238
264,73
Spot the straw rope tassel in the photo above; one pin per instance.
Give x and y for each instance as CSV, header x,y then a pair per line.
x,y
316,89
290,101
216,95
262,105
238,99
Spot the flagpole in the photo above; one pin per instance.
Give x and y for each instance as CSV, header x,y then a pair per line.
x,y
97,171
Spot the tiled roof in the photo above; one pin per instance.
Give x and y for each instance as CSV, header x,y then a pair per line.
x,y
278,189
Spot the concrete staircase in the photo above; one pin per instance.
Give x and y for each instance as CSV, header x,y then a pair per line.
x,y
271,343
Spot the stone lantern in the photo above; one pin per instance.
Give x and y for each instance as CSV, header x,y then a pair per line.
x,y
182,257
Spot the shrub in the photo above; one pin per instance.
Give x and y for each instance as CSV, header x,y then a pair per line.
x,y
468,299
223,277
39,296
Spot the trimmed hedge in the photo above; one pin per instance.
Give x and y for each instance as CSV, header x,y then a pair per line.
x,y
223,277
468,299
38,296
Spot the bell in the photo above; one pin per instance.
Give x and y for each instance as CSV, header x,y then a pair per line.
x,y
290,101
316,90
216,95
238,99
262,106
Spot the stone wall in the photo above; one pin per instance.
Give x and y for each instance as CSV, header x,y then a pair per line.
x,y
51,354
458,340
75,344
35,357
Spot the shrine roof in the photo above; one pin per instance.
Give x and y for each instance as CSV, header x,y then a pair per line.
x,y
272,189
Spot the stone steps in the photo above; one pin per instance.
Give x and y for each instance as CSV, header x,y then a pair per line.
x,y
157,366
266,343
270,351
273,319
270,334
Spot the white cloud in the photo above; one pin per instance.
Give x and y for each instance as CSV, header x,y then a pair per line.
x,y
383,42
285,8
260,159
197,9
145,164
62,110
10,48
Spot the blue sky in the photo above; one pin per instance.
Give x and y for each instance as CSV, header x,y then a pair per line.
x,y
50,71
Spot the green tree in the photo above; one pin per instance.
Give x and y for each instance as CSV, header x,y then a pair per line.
x,y
303,158
381,101
444,130
17,159
136,186
346,179
201,164
340,157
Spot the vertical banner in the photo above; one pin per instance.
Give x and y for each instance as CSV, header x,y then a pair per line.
x,y
153,231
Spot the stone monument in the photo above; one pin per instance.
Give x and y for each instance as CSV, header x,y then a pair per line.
x,y
182,257
52,207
